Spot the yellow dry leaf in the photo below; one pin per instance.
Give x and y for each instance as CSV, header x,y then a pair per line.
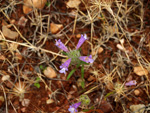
x,y
73,3
28,4
55,27
9,34
140,71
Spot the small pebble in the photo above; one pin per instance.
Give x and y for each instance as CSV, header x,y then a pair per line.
x,y
49,101
100,50
78,35
5,77
137,92
12,21
50,72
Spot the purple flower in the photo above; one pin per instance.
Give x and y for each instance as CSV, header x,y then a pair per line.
x,y
131,83
64,66
87,59
82,39
73,107
60,45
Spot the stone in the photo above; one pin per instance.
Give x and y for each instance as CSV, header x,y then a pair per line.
x,y
49,72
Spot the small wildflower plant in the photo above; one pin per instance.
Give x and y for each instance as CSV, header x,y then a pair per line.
x,y
74,57
83,100
73,107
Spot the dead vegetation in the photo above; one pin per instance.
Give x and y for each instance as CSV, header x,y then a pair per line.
x,y
119,41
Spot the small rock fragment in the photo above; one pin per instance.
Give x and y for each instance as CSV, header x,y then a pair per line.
x,y
140,71
74,87
55,27
22,21
23,109
9,34
49,101
137,92
49,72
100,50
119,46
137,108
73,13
6,77
78,35
25,102
12,21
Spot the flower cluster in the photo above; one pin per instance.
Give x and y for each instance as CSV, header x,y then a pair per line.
x,y
73,55
73,107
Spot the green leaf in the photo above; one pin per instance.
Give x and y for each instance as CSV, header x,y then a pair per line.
x,y
108,94
37,85
83,84
48,4
78,65
64,53
71,73
79,49
86,110
82,72
41,67
82,62
37,79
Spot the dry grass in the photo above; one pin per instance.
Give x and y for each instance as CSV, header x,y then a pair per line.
x,y
108,20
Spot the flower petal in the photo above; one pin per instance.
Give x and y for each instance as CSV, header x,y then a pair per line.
x,y
73,107
64,66
76,105
63,70
131,83
87,59
60,45
81,41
